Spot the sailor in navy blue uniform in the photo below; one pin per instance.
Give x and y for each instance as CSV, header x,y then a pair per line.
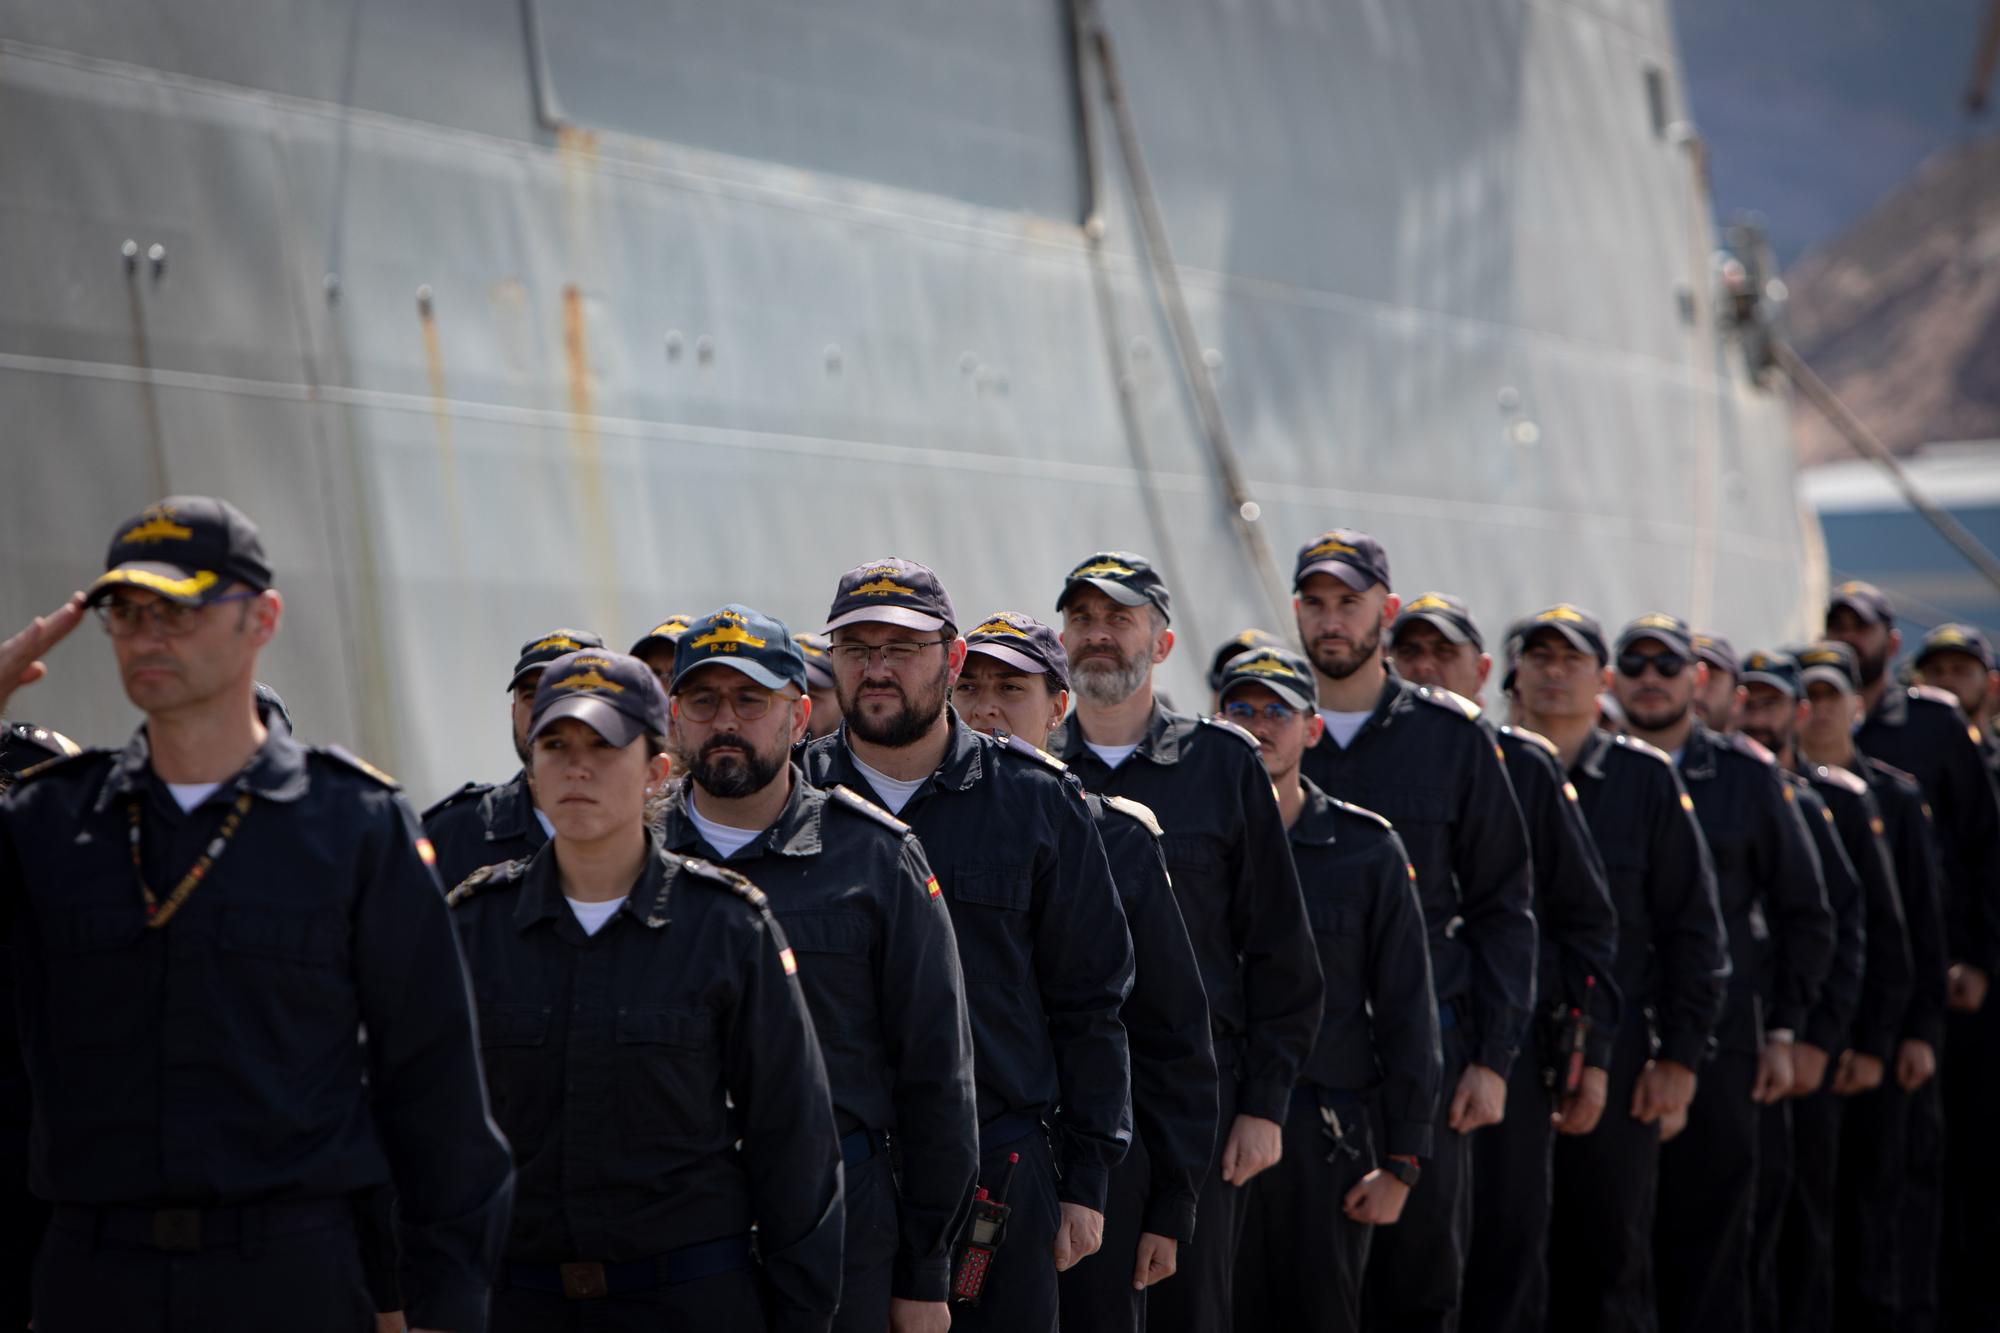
x,y
1041,937
484,823
1361,1117
879,967
203,924
648,1049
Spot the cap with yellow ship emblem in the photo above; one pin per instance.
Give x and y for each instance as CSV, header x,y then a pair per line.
x,y
616,696
1956,637
745,640
1448,615
1022,642
1279,670
1574,625
188,549
891,591
1128,579
543,649
1352,556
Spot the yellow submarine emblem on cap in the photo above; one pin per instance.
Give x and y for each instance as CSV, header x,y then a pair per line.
x,y
1430,601
1561,611
884,588
1949,634
1101,568
158,527
727,638
589,680
1332,546
999,626
555,641
1261,664
1657,620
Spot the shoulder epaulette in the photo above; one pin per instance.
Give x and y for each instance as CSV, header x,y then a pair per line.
x,y
1227,727
1132,809
465,793
1638,746
847,798
45,738
724,878
359,765
1534,738
59,761
1932,694
1015,745
1445,699
1361,813
1841,778
486,877
1742,744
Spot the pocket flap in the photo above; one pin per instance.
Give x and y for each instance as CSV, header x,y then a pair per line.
x,y
688,1029
826,932
1011,887
306,937
514,1024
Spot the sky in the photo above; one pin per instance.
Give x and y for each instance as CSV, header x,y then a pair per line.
x,y
1815,109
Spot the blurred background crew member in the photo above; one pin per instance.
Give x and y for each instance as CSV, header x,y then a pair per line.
x,y
879,967
1377,1059
648,1049
1016,683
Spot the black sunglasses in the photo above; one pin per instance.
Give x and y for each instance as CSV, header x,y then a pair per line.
x,y
1633,665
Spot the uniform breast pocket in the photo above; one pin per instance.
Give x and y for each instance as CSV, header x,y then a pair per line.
x,y
669,1073
990,915
1194,860
834,970
1422,816
99,991
294,964
513,1045
1340,931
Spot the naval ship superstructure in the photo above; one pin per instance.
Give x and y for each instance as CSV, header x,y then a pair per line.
x,y
505,314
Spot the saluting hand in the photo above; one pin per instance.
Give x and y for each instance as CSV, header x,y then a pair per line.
x,y
20,656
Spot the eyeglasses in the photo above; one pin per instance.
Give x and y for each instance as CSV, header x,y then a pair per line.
x,y
1274,711
704,705
173,620
892,654
1633,665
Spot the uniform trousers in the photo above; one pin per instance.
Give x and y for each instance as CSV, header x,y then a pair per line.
x,y
1302,1259
1601,1232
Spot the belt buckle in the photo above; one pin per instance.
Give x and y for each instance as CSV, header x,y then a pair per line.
x,y
177,1230
584,1281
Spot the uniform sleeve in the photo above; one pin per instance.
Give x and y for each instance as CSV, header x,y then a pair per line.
x,y
1687,929
1083,968
1889,975
1489,858
928,1037
452,1169
1968,831
1920,877
1573,896
1801,922
1829,1024
1282,988
791,1150
1403,1006
1166,1023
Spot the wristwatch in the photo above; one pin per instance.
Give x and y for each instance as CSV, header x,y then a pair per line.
x,y
1404,1169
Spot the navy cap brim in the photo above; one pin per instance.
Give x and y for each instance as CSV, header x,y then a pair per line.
x,y
1437,620
1829,675
1962,649
1665,638
1779,683
188,587
886,615
1575,637
1111,588
649,643
1361,580
534,669
616,726
818,676
1860,606
1000,652
749,666
1289,693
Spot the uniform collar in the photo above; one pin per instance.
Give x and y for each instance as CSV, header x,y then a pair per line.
x,y
1317,821
1698,754
510,812
795,832
276,772
1166,737
1397,698
961,767
541,897
1590,759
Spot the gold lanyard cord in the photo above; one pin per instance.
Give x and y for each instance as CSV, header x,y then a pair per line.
x,y
158,913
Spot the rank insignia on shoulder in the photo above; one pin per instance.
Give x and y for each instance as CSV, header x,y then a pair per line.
x,y
472,885
1138,810
1016,745
850,799
465,793
1638,746
1363,813
1533,738
728,879
1754,749
360,765
1443,698
1227,727
1933,694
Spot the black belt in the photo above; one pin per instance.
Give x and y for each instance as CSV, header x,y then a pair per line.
x,y
861,1145
192,1230
1009,1127
588,1280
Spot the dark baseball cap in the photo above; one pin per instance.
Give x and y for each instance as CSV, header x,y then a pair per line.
x,y
1670,630
753,643
892,592
1128,579
666,634
615,695
1768,666
1831,661
816,649
1957,637
1577,626
1279,670
186,548
1449,615
538,652
1022,642
1234,646
1353,557
1864,600
1717,651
